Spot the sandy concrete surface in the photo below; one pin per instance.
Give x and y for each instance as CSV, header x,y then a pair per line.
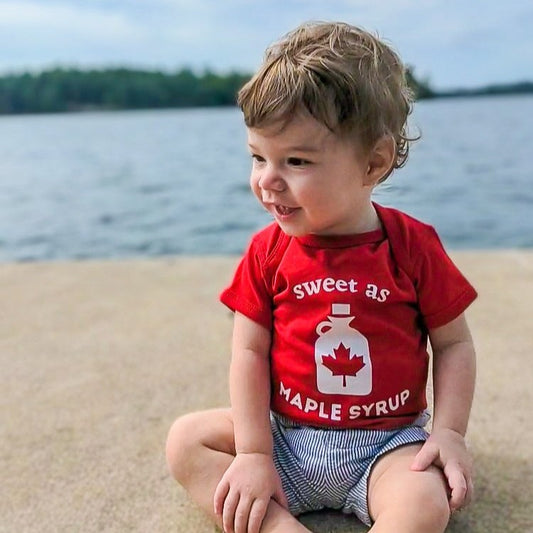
x,y
98,358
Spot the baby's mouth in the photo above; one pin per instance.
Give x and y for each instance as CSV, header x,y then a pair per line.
x,y
283,210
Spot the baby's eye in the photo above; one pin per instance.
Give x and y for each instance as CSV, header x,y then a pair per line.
x,y
257,158
297,161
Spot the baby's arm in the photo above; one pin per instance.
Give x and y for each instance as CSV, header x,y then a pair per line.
x,y
245,490
454,370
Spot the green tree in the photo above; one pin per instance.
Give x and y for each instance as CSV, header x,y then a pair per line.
x,y
421,88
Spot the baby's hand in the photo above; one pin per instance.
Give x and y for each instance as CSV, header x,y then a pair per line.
x,y
245,490
446,449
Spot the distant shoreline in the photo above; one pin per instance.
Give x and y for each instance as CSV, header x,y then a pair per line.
x,y
62,90
524,87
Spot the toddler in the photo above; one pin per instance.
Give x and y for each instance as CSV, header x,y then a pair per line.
x,y
334,304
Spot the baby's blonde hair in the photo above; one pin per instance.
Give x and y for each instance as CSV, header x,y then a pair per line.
x,y
346,78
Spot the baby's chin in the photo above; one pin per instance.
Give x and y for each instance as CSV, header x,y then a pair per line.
x,y
292,231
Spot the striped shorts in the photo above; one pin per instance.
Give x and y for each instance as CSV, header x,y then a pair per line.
x,y
329,468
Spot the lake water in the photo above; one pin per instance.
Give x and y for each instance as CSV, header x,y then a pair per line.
x,y
152,183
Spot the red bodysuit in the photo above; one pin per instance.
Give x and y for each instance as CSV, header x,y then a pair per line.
x,y
349,318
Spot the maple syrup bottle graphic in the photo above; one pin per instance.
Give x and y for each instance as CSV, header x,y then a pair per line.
x,y
342,357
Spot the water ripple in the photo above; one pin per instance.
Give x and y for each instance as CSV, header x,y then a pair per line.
x,y
176,182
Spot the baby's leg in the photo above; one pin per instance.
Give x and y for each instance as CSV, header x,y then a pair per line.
x,y
200,448
401,500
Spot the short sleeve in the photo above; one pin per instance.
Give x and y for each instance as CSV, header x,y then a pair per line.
x,y
248,293
443,292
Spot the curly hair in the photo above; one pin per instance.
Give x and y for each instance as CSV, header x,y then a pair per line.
x,y
343,76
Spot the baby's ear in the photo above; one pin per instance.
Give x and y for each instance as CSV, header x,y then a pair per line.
x,y
381,160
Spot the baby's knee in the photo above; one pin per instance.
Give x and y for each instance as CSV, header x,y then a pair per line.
x,y
427,500
194,437
183,438
417,500
431,510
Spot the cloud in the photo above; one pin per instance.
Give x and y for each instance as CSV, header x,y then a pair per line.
x,y
62,18
452,41
33,33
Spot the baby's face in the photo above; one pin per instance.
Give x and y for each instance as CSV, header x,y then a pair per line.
x,y
311,180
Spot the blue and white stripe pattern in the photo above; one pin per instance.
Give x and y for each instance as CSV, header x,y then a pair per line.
x,y
329,468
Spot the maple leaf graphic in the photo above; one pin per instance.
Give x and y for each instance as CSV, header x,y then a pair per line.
x,y
340,363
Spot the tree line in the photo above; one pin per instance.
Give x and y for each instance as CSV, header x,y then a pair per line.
x,y
71,89
62,89
521,87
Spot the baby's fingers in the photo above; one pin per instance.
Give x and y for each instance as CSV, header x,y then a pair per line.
x,y
427,455
257,513
220,495
242,515
458,487
228,512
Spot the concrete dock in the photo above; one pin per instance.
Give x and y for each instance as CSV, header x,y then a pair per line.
x,y
99,357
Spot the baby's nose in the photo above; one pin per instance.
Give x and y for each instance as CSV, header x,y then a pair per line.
x,y
271,179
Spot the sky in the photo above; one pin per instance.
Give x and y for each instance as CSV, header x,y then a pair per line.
x,y
451,43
